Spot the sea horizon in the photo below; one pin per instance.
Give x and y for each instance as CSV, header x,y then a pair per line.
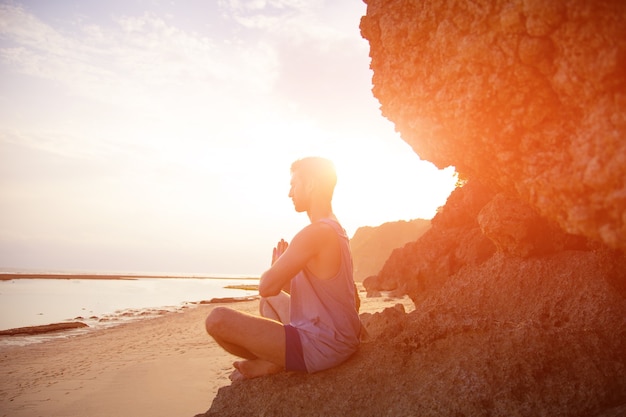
x,y
113,273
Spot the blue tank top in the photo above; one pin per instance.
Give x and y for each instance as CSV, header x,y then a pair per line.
x,y
324,311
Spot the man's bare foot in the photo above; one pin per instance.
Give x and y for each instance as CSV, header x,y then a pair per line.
x,y
255,368
236,376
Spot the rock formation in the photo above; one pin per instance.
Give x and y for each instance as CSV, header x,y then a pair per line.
x,y
371,246
520,283
527,95
42,329
454,240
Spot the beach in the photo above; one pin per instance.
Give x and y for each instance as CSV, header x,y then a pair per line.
x,y
163,366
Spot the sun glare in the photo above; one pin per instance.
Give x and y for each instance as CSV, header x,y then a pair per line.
x,y
374,187
133,158
378,181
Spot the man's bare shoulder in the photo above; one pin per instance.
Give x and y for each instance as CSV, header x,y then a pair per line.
x,y
317,233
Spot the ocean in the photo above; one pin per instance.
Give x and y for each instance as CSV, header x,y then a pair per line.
x,y
106,302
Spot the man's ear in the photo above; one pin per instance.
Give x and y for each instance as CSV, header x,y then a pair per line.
x,y
311,185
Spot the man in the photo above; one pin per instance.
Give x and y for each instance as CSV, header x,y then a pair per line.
x,y
317,325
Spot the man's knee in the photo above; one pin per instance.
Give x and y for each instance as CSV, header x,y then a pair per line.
x,y
262,305
216,320
275,307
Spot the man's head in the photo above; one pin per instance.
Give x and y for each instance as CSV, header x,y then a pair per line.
x,y
312,179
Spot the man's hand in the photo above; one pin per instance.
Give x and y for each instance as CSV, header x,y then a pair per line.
x,y
280,248
289,261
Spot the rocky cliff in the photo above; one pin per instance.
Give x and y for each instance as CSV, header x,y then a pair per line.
x,y
371,246
526,95
520,283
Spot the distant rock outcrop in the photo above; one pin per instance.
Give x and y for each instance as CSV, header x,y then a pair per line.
x,y
371,246
42,329
454,240
520,283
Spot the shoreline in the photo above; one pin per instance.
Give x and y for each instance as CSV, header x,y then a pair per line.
x,y
5,276
67,327
26,303
161,366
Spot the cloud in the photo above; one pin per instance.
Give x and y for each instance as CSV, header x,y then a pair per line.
x,y
323,61
132,83
142,85
134,60
277,55
294,20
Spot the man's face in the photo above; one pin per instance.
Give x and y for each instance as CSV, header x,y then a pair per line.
x,y
299,193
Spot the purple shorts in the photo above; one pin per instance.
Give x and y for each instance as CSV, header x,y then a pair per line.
x,y
294,359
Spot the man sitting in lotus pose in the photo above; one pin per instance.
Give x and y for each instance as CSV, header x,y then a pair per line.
x,y
317,325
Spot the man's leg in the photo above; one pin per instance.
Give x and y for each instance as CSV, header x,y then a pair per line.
x,y
275,307
258,339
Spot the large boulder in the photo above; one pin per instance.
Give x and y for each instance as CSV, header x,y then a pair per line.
x,y
474,223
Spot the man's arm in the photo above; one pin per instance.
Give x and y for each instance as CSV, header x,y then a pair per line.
x,y
304,246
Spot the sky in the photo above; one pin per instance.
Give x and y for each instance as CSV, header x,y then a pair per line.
x,y
151,136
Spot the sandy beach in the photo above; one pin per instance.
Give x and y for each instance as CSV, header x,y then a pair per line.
x,y
165,366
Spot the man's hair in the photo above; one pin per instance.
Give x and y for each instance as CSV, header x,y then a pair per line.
x,y
318,171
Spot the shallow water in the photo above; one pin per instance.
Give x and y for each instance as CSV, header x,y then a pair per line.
x,y
32,302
